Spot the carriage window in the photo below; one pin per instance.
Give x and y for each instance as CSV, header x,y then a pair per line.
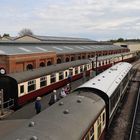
x,y
66,74
31,85
85,68
81,69
103,118
103,63
22,89
92,133
71,72
43,81
99,126
61,76
86,137
76,70
99,63
53,77
99,130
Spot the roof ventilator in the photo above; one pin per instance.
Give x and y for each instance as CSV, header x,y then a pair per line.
x,y
31,124
61,103
34,138
66,111
79,101
114,68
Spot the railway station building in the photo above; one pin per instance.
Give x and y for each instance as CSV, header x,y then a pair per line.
x,y
30,51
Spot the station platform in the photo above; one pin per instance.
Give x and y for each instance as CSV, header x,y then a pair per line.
x,y
6,113
11,121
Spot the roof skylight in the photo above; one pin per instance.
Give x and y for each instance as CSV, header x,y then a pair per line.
x,y
57,48
39,48
24,49
2,52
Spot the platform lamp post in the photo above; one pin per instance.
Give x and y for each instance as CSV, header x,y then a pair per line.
x,y
70,76
92,61
92,68
96,59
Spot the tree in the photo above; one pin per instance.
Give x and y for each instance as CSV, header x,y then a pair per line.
x,y
120,40
25,31
6,35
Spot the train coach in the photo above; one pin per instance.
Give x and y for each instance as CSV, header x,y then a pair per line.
x,y
84,114
25,86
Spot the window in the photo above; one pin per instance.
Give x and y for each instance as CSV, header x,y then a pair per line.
x,y
103,118
86,137
92,133
43,81
29,67
72,58
66,74
71,72
21,88
76,70
81,69
83,57
103,63
61,76
67,59
31,85
42,64
99,64
99,127
58,61
79,57
99,130
49,63
53,77
85,68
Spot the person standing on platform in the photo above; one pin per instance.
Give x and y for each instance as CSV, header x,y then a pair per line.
x,y
67,89
53,98
70,81
63,93
84,76
91,73
38,105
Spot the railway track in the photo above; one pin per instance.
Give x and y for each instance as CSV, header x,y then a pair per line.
x,y
120,127
135,129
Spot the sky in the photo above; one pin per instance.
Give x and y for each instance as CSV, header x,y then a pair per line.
x,y
93,19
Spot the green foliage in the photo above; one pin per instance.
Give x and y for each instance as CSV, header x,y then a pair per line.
x,y
6,35
25,31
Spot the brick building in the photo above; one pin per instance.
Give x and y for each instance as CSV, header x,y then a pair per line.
x,y
30,52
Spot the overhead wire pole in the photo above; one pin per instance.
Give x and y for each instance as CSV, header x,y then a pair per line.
x,y
96,57
70,77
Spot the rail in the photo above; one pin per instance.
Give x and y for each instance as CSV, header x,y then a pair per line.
x,y
131,136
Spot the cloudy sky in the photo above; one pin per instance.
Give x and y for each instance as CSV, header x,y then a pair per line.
x,y
94,19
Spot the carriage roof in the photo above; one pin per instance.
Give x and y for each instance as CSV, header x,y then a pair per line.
x,y
68,121
109,80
